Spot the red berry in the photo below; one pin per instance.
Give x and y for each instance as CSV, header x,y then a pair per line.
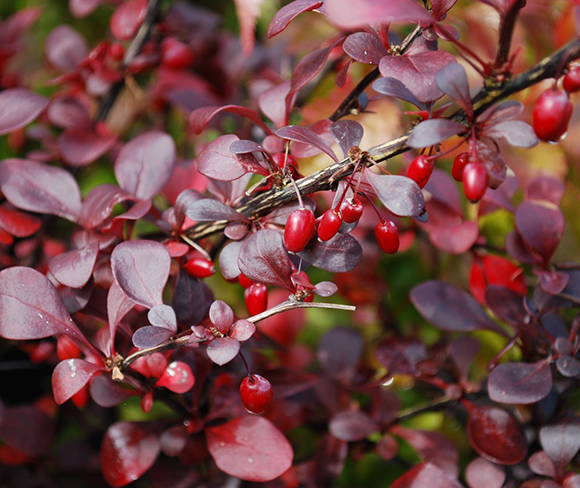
x,y
475,180
420,170
116,52
175,54
199,267
256,392
459,164
351,211
256,297
245,281
571,81
552,112
67,349
299,229
329,225
387,236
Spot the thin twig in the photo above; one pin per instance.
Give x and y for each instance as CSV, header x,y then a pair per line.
x,y
506,31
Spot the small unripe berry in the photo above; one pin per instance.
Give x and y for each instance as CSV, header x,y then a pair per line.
x,y
256,297
420,170
256,392
459,164
199,267
329,225
387,236
552,113
175,54
116,52
351,211
299,229
475,181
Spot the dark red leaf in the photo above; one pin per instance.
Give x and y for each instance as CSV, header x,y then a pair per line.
x,y
272,103
221,315
288,13
553,282
65,48
210,210
541,225
242,330
561,441
163,316
250,448
128,450
191,299
440,8
545,188
454,237
496,435
338,255
228,260
145,163
177,377
18,224
69,113
520,382
141,268
263,259
374,12
348,133
399,194
80,147
248,12
434,131
364,47
339,352
568,366
352,426
70,376
425,475
106,392
452,80
306,136
27,429
223,350
118,305
515,132
174,440
184,200
540,463
99,203
462,352
40,188
150,336
325,289
82,8
450,308
395,88
200,117
74,268
127,19
480,473
401,355
19,107
244,146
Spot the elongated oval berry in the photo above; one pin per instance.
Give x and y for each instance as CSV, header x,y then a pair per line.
x,y
257,393
552,113
329,225
299,229
245,281
420,170
475,180
459,164
387,236
175,54
571,81
199,267
256,297
351,211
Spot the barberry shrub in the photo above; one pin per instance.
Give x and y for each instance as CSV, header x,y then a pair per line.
x,y
196,290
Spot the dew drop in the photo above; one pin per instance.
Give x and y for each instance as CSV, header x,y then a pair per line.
x,y
222,444
365,53
250,460
134,477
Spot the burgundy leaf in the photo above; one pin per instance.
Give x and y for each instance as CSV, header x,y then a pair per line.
x,y
184,200
339,352
325,289
507,110
450,308
99,203
568,366
118,305
19,107
516,132
141,269
544,188
347,133
288,13
399,194
455,237
553,282
272,103
440,8
221,315
248,12
128,450
365,48
434,131
306,136
74,268
341,12
338,255
163,316
322,129
263,258
150,336
80,147
228,260
145,163
108,393
561,441
31,308
401,355
540,463
177,377
200,117
65,48
70,376
425,475
395,88
244,146
463,351
496,435
217,161
40,188
352,426
27,429
210,210
521,383
250,448
223,350
18,224
174,440
127,18
480,473
541,226
69,113
191,299
495,164
242,330
82,8
452,80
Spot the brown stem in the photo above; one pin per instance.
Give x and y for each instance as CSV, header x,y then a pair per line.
x,y
506,31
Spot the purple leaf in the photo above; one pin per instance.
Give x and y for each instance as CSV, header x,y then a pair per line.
x,y
223,350
31,308
74,268
263,258
401,355
118,305
399,194
338,255
541,227
191,299
365,48
288,13
568,366
454,237
200,117
184,200
342,13
339,352
141,269
69,113
150,336
347,133
462,352
450,308
81,147
228,260
242,330
163,316
506,304
452,80
434,131
306,136
107,393
480,473
540,463
395,88
553,282
272,103
515,132
18,224
40,188
27,429
508,110
561,441
352,426
545,188
244,146
325,289
440,8
70,376
221,315
426,475
19,107
82,8
210,210
145,163
521,383
65,48
495,164
99,203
